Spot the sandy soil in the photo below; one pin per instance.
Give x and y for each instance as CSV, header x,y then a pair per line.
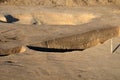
x,y
61,3
95,63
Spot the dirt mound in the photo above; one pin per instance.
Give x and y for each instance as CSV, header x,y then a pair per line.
x,y
60,2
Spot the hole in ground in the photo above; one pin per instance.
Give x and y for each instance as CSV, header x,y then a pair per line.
x,y
42,49
49,18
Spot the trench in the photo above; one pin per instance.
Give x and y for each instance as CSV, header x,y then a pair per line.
x,y
43,49
49,18
77,42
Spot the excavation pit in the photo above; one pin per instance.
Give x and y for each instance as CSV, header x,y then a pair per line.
x,y
46,17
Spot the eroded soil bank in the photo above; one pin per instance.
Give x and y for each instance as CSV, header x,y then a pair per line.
x,y
45,37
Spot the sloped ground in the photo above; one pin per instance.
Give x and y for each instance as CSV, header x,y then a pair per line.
x,y
33,23
91,64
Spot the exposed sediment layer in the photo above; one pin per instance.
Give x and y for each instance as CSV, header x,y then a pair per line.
x,y
64,37
83,40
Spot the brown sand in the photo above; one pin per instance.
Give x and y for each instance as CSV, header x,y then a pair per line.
x,y
95,63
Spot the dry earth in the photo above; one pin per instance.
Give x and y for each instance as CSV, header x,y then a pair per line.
x,y
45,42
61,3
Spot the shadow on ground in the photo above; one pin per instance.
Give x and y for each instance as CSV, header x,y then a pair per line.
x,y
11,19
42,49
